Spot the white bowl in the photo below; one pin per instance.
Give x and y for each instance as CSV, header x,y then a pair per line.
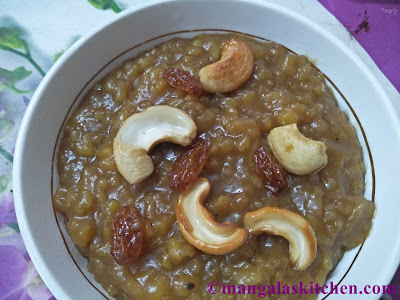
x,y
370,111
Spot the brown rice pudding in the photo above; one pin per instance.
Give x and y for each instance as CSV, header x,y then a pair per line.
x,y
232,161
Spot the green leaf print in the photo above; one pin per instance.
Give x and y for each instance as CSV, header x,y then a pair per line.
x,y
105,4
11,40
14,226
70,43
57,56
4,180
8,79
6,126
11,37
7,155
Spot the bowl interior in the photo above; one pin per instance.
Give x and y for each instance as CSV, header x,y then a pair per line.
x,y
60,265
336,276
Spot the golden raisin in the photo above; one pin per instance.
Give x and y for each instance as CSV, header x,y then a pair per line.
x,y
127,235
189,165
182,80
270,171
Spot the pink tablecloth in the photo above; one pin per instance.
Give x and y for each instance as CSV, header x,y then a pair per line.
x,y
375,24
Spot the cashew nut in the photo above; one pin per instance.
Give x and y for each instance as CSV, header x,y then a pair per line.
x,y
293,227
142,131
231,71
199,227
296,153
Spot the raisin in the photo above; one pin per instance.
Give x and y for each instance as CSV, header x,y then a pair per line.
x,y
270,171
127,235
189,165
182,80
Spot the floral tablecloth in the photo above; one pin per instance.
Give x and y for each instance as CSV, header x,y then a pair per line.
x,y
34,34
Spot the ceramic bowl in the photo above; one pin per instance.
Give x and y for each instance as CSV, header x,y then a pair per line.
x,y
35,178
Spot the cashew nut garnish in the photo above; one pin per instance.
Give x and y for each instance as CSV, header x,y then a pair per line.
x,y
199,227
231,71
293,227
296,153
142,131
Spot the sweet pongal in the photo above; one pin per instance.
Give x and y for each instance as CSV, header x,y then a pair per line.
x,y
233,123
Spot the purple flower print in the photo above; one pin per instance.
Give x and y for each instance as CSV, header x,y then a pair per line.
x,y
7,209
26,100
13,267
19,278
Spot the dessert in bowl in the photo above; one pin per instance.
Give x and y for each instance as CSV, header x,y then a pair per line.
x,y
236,133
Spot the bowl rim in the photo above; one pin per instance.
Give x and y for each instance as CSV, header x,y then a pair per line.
x,y
93,80
18,187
